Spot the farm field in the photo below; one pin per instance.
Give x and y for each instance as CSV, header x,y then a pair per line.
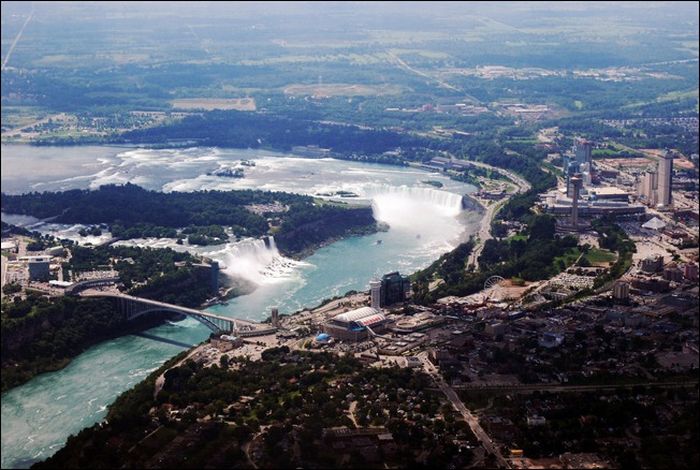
x,y
210,104
342,89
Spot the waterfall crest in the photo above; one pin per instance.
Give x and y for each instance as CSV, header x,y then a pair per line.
x,y
256,260
410,206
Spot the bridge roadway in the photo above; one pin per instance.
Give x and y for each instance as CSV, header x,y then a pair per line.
x,y
213,319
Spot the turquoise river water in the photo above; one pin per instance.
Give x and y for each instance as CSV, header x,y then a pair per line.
x,y
425,222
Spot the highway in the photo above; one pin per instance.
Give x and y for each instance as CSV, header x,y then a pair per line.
x,y
458,405
396,60
14,43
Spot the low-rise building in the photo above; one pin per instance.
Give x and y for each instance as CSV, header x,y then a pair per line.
x,y
653,285
9,245
652,264
352,325
536,420
38,270
551,340
495,329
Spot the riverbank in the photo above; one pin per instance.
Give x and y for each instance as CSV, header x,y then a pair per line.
x,y
40,415
48,341
356,232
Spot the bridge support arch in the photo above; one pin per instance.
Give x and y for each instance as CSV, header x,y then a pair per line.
x,y
132,309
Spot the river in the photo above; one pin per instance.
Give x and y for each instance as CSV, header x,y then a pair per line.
x,y
424,221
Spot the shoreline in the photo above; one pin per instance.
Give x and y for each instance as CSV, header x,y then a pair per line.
x,y
311,249
304,254
58,364
222,299
229,291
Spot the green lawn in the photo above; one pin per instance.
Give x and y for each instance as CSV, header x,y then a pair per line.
x,y
598,256
568,258
604,152
518,237
522,141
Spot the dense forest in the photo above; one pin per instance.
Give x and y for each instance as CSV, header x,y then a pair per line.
x,y
133,212
530,259
537,254
303,229
129,205
159,274
252,130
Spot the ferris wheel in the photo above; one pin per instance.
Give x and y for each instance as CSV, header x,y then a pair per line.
x,y
493,281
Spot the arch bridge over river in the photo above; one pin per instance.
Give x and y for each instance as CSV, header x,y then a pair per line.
x,y
133,307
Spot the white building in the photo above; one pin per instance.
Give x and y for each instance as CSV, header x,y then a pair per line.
x,y
648,187
352,325
375,288
665,198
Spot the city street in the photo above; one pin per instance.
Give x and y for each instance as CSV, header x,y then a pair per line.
x,y
458,405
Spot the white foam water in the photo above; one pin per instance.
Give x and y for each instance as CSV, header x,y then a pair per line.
x,y
450,204
62,231
256,260
423,226
412,207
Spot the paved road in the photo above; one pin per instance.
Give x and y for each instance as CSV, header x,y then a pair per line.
x,y
396,60
523,185
3,273
14,43
458,405
558,388
484,232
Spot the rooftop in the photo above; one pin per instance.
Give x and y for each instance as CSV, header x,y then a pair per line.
x,y
357,314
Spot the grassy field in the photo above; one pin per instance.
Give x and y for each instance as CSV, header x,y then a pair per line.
x,y
428,54
523,141
677,95
341,89
568,258
604,152
667,97
20,116
600,257
208,104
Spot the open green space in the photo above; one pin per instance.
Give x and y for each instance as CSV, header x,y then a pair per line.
x,y
600,257
565,260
